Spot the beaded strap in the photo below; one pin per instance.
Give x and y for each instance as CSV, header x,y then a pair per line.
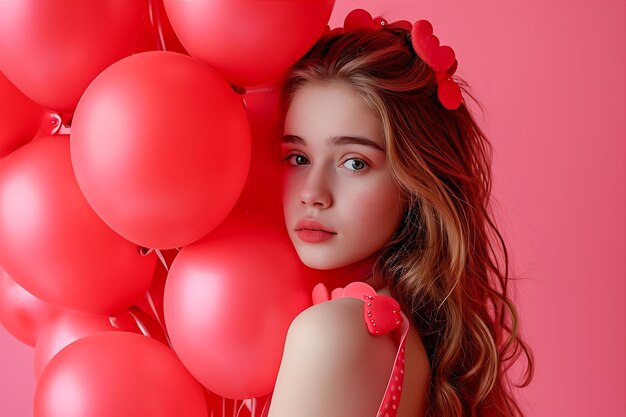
x,y
382,315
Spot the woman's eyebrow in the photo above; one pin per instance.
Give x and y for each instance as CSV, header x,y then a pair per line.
x,y
337,140
293,139
355,140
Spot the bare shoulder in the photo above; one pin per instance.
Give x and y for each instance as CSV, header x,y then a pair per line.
x,y
332,365
338,330
334,316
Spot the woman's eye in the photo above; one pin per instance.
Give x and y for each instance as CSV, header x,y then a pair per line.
x,y
355,164
296,159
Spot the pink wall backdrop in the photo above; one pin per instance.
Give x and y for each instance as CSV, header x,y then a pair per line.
x,y
550,75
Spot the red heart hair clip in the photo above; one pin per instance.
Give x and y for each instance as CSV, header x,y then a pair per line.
x,y
358,19
440,58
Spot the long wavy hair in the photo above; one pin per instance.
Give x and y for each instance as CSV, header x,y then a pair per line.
x,y
444,263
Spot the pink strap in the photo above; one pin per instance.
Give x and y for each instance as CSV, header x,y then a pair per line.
x,y
382,315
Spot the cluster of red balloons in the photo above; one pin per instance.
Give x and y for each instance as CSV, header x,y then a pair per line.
x,y
141,248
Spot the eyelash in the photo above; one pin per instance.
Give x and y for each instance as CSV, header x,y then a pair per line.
x,y
288,157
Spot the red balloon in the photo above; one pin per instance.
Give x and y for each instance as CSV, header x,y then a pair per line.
x,y
229,301
21,313
53,49
68,327
262,192
117,374
170,137
54,245
249,42
19,117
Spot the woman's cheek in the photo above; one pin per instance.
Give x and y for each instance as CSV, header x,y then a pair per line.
x,y
377,204
366,206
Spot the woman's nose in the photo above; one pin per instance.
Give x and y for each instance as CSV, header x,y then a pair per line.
x,y
315,191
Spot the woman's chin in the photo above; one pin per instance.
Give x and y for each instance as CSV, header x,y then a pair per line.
x,y
335,273
319,264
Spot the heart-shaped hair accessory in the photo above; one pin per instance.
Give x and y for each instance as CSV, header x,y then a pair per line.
x,y
440,58
358,19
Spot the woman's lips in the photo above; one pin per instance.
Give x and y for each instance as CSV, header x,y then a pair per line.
x,y
312,231
314,236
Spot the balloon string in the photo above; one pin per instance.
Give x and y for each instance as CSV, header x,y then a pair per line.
x,y
161,37
150,301
267,401
142,252
158,319
155,20
139,324
113,321
162,258
145,252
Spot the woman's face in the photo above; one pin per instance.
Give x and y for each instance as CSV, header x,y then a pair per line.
x,y
340,202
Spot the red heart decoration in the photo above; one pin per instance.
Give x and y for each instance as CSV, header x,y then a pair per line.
x,y
358,289
422,29
404,24
379,22
320,293
358,18
449,94
440,58
453,68
381,313
336,293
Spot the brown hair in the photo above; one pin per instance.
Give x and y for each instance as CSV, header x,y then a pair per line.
x,y
442,263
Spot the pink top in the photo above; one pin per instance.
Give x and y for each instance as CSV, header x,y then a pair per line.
x,y
382,314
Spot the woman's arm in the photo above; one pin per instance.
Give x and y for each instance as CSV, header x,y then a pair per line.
x,y
332,366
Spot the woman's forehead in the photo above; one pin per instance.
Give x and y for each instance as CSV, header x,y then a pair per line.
x,y
328,113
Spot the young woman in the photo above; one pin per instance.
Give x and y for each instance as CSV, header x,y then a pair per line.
x,y
387,180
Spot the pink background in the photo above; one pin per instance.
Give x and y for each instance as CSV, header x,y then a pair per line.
x,y
551,77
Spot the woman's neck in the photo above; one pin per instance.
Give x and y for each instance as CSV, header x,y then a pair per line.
x,y
340,277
